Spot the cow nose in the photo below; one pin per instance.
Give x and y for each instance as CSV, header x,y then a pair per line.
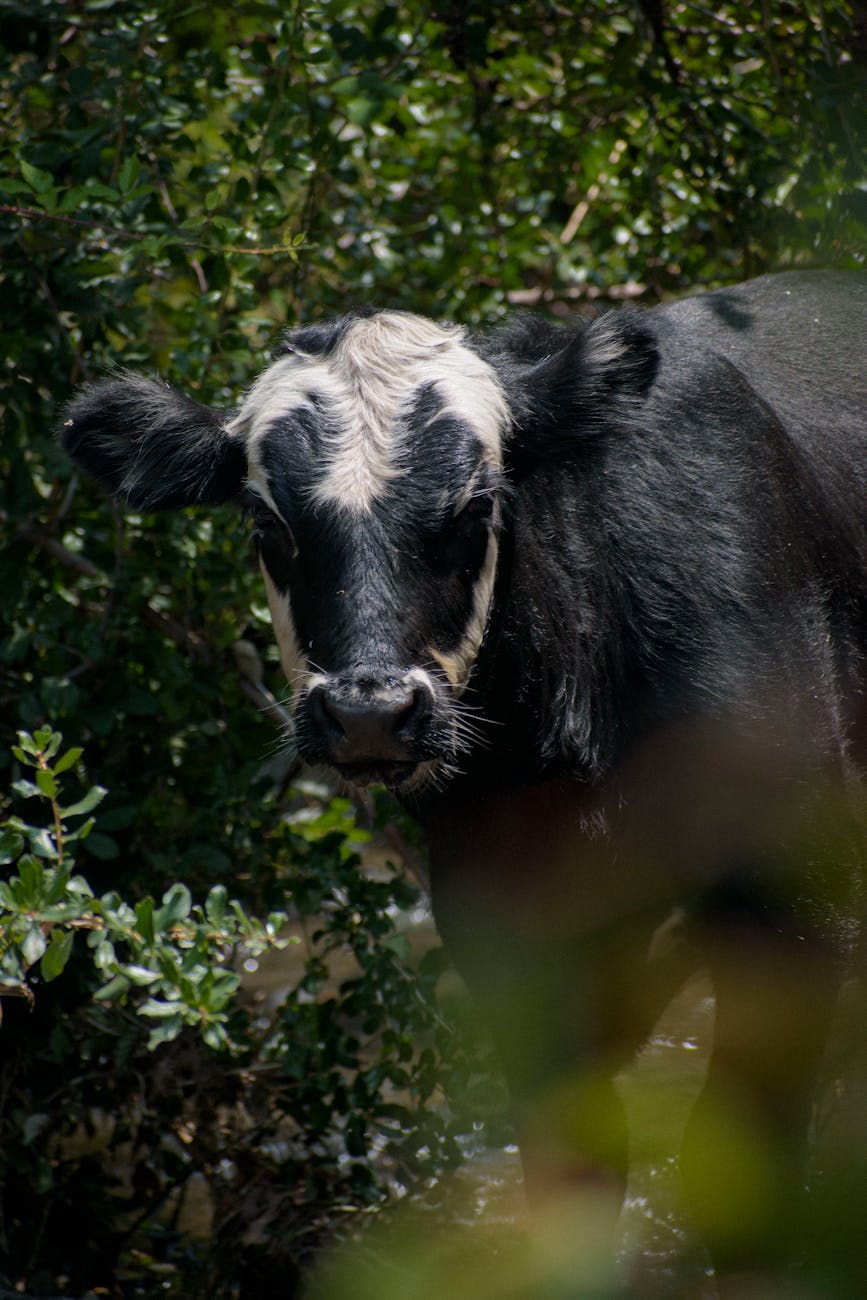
x,y
376,727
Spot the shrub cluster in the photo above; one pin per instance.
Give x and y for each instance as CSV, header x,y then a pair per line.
x,y
177,183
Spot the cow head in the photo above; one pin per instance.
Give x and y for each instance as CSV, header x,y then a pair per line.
x,y
371,455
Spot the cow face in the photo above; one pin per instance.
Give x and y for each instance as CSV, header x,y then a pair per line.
x,y
369,456
374,456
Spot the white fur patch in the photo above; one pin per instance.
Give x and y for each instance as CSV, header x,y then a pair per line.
x,y
604,341
457,665
293,660
365,387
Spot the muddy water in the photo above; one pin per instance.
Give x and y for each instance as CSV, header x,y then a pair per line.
x,y
659,1092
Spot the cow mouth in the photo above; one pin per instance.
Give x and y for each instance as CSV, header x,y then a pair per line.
x,y
366,772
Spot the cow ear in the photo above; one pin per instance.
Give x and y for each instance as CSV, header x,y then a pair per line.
x,y
151,446
586,382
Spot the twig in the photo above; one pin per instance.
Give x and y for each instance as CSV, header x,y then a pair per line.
x,y
138,235
172,211
192,643
189,641
55,808
38,537
266,703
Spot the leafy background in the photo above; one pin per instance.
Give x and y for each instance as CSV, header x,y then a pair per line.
x,y
179,181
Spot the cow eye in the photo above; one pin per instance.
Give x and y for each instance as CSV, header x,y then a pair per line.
x,y
264,519
268,526
478,510
459,544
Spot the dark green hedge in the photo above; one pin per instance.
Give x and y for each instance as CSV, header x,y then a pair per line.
x,y
177,182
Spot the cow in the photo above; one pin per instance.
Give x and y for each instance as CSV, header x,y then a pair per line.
x,y
591,598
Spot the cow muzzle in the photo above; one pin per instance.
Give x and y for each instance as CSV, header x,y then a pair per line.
x,y
371,729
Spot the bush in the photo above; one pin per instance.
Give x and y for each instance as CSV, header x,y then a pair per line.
x,y
177,183
310,1102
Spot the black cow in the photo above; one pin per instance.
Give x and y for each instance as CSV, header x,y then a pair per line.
x,y
593,601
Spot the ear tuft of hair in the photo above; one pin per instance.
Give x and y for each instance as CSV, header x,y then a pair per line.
x,y
151,446
621,354
566,385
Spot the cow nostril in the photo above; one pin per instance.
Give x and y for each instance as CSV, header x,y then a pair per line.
x,y
323,713
413,712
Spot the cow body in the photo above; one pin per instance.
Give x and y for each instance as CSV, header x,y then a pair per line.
x,y
593,601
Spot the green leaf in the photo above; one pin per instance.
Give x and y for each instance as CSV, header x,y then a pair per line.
x,y
62,912
102,846
114,989
57,882
99,191
215,1036
11,845
95,795
67,760
37,179
128,174
42,842
33,944
46,199
27,743
159,1010
140,975
215,905
223,986
177,902
81,832
11,185
399,944
165,1031
73,198
32,875
144,919
104,955
56,954
46,783
26,789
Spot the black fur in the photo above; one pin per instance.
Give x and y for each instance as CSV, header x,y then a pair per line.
x,y
565,384
152,446
321,339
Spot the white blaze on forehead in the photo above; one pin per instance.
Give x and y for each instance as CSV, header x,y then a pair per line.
x,y
363,389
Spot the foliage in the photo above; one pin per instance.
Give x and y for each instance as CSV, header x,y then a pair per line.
x,y
333,1072
178,182
176,952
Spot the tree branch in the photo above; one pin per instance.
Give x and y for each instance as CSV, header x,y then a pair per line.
x,y
192,643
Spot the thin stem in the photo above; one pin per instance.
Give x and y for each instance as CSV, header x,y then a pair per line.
x,y
55,808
